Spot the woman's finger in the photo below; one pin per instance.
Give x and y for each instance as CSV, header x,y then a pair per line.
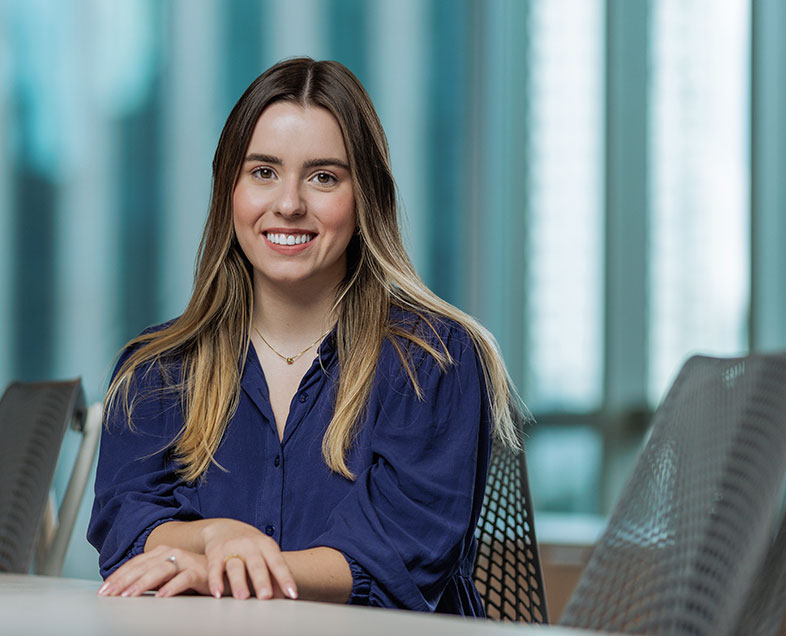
x,y
235,566
179,583
158,572
118,580
215,574
279,569
258,573
127,574
193,578
143,572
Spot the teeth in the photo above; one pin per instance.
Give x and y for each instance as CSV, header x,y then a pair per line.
x,y
289,239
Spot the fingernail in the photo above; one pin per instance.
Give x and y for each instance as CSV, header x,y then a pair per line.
x,y
291,591
216,592
162,594
264,593
129,592
102,590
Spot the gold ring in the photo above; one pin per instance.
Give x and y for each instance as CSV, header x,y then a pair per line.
x,y
234,556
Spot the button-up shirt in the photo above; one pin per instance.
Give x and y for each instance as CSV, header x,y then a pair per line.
x,y
406,522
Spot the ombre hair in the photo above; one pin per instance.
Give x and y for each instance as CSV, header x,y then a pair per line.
x,y
211,338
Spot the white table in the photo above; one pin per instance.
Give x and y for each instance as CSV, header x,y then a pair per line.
x,y
47,605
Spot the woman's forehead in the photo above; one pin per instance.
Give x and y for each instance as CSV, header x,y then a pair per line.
x,y
292,128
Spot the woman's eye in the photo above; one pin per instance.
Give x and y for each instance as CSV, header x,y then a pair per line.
x,y
263,173
325,178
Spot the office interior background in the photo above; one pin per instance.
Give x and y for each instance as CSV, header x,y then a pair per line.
x,y
601,182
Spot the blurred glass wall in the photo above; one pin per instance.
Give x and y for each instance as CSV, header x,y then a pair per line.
x,y
578,174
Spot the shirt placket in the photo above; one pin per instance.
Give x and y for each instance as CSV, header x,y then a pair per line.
x,y
271,508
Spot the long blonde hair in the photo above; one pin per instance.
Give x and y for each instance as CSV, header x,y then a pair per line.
x,y
211,338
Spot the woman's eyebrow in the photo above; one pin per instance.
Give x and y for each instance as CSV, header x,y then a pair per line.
x,y
255,156
318,163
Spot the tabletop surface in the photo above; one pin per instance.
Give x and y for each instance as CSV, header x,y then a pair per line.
x,y
48,605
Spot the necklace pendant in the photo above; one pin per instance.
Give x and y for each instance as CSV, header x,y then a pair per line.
x,y
290,360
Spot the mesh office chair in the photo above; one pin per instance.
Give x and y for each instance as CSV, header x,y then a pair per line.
x,y
33,420
692,545
507,568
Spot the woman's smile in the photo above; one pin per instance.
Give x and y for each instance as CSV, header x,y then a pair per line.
x,y
289,238
286,241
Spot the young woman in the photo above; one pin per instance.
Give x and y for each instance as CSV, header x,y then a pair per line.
x,y
317,423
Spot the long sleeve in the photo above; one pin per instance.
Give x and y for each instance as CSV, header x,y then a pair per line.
x,y
136,486
407,525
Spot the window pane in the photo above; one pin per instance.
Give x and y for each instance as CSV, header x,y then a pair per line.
x,y
699,174
564,330
549,451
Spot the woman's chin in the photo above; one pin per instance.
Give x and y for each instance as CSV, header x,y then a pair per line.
x,y
292,280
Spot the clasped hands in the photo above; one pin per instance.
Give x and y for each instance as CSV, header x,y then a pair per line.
x,y
235,554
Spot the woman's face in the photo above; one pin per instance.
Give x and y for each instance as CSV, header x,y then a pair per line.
x,y
293,204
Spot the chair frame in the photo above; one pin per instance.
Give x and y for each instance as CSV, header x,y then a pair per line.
x,y
59,522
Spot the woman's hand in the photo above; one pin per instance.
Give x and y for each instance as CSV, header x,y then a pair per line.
x,y
169,570
234,552
245,554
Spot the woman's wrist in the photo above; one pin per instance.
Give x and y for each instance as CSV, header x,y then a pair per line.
x,y
187,535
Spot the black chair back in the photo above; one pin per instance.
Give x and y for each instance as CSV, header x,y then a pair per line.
x,y
33,421
507,569
692,546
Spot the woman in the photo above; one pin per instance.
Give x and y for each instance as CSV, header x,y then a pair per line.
x,y
317,423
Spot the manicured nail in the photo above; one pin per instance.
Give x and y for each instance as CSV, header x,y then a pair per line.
x,y
103,589
216,592
129,592
291,591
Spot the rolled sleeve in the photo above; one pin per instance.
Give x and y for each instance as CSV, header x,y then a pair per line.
x,y
137,487
408,522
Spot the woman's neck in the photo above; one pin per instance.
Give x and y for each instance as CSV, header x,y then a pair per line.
x,y
292,316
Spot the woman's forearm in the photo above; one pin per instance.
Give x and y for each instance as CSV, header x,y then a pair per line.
x,y
321,574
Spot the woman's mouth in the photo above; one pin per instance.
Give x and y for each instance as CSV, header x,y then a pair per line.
x,y
295,238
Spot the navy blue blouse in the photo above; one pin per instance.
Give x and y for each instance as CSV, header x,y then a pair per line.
x,y
405,524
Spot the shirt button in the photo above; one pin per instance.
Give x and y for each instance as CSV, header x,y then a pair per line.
x,y
269,530
303,397
277,461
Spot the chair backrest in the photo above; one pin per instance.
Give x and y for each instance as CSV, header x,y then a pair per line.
x,y
33,421
695,527
765,608
507,568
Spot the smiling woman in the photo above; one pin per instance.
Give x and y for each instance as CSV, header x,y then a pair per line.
x,y
317,423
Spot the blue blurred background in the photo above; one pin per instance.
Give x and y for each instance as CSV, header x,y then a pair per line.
x,y
599,181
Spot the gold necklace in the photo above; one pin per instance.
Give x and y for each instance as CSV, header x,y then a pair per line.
x,y
289,360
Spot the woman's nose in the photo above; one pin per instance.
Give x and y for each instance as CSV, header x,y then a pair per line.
x,y
290,200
